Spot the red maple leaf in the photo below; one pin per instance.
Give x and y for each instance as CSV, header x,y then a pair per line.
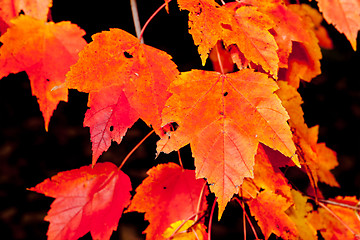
x,y
87,199
109,117
45,51
135,75
168,195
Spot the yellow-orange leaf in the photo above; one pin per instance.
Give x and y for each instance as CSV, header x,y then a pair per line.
x,y
344,14
316,157
224,117
45,51
187,231
269,209
298,214
243,26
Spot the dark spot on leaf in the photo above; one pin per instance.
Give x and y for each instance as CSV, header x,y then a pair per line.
x,y
48,80
164,187
170,127
222,113
128,55
111,128
199,11
226,26
225,94
21,12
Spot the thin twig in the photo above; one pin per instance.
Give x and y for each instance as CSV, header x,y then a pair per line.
x,y
200,201
181,164
356,208
136,147
247,217
151,17
211,217
135,14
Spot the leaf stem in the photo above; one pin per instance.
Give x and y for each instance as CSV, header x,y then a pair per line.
x,y
200,201
211,217
181,164
135,15
244,220
151,17
247,217
356,208
219,59
136,147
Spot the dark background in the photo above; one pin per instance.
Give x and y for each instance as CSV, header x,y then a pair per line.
x,y
28,154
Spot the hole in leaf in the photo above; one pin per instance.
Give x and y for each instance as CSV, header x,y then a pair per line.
x,y
164,187
21,13
225,94
111,128
48,80
128,55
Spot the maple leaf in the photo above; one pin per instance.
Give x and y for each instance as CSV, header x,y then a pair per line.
x,y
45,51
224,117
344,226
116,57
319,30
243,26
87,199
344,15
168,195
267,174
187,231
298,213
10,9
109,117
285,33
269,210
304,60
316,157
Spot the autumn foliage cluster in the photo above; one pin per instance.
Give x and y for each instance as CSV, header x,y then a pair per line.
x,y
243,120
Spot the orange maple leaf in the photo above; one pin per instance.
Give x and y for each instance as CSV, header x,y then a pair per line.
x,y
45,51
319,30
316,157
224,117
344,15
109,117
87,199
267,174
168,195
116,57
342,223
10,9
269,210
243,26
304,60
